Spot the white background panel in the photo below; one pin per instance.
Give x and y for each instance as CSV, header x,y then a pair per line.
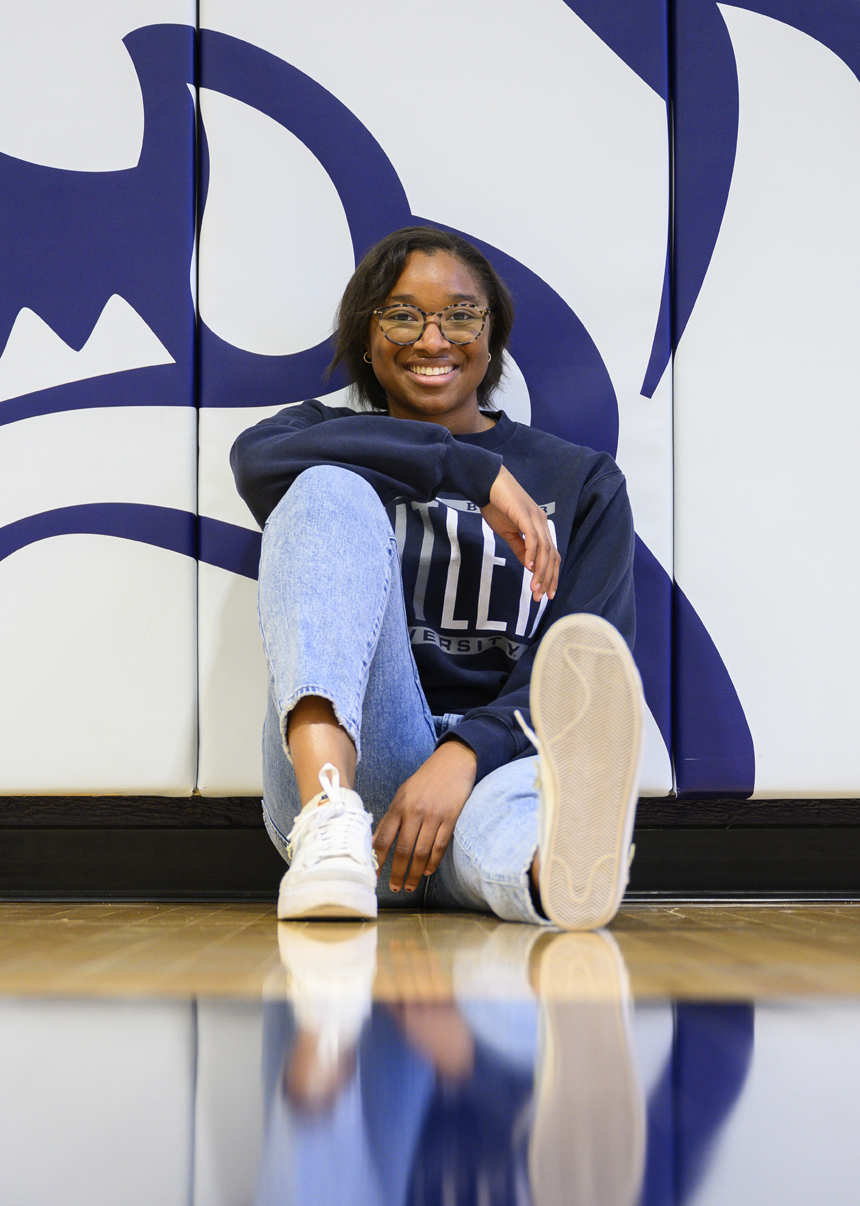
x,y
134,454
766,417
69,94
791,1138
275,254
98,663
581,199
233,681
96,1102
232,666
98,650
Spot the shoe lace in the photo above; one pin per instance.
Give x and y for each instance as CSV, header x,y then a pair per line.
x,y
529,732
535,740
345,837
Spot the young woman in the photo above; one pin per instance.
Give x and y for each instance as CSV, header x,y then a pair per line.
x,y
425,569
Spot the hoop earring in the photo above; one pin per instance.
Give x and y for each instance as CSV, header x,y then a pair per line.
x,y
489,358
367,359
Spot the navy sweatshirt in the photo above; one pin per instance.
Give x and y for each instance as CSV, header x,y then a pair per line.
x,y
473,624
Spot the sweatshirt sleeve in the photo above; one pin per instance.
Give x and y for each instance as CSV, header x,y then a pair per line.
x,y
596,576
397,457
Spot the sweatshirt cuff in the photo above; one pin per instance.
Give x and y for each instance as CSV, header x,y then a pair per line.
x,y
491,740
470,471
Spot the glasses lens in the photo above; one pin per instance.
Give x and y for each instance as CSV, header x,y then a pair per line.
x,y
461,324
402,324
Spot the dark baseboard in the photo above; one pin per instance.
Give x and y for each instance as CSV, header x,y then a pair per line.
x,y
144,859
244,812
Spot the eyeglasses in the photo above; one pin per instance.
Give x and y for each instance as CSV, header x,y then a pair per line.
x,y
406,324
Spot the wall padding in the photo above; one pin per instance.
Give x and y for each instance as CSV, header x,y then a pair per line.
x,y
97,420
767,426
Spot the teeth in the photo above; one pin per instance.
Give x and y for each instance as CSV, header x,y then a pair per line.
x,y
431,371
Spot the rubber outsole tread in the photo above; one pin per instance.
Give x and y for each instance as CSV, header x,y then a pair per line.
x,y
586,709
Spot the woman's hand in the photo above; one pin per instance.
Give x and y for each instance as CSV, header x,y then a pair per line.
x,y
517,518
424,812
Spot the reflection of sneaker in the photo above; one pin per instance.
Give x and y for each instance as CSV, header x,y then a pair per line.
x,y
587,1142
587,710
332,869
330,971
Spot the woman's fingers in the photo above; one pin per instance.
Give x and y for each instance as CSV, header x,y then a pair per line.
x,y
515,516
386,832
403,832
547,562
403,851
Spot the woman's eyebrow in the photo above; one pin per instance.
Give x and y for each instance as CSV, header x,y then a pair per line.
x,y
455,298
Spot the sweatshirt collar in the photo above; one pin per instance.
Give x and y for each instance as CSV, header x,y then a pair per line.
x,y
493,437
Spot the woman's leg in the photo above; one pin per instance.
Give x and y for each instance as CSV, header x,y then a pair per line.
x,y
487,866
334,629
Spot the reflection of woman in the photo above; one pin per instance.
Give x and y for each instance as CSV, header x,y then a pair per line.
x,y
410,694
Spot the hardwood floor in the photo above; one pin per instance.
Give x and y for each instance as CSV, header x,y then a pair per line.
x,y
694,952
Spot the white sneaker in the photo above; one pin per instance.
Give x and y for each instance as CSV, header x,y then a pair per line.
x,y
332,869
586,705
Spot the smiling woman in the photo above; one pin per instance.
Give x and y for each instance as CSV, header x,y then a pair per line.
x,y
430,376
444,269
432,575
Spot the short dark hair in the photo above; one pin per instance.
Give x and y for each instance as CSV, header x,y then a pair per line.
x,y
371,284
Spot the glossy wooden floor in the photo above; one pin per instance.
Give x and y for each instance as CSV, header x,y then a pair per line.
x,y
695,952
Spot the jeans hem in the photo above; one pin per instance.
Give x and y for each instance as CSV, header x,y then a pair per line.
x,y
351,728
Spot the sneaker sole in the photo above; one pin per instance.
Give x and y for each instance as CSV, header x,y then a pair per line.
x,y
586,704
334,900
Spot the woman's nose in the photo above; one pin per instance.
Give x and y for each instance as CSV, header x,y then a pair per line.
x,y
432,339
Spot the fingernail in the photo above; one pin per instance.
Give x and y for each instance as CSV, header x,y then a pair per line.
x,y
408,889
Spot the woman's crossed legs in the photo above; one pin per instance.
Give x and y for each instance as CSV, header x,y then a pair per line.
x,y
344,690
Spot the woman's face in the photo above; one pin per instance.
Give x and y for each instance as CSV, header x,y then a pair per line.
x,y
433,380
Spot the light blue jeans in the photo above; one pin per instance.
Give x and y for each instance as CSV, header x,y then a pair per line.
x,y
334,624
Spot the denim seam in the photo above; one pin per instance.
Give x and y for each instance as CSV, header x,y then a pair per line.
x,y
273,828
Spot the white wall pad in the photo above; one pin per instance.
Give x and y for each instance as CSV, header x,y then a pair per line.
x,y
96,1102
233,682
573,210
97,418
96,233
97,652
767,506
231,666
129,454
228,1107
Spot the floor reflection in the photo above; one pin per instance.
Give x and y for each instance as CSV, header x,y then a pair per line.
x,y
384,1068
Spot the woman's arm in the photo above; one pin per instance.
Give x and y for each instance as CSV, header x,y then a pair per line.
x,y
397,457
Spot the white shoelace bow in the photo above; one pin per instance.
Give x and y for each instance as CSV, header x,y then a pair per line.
x,y
347,837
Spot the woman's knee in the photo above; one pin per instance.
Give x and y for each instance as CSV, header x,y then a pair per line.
x,y
326,489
